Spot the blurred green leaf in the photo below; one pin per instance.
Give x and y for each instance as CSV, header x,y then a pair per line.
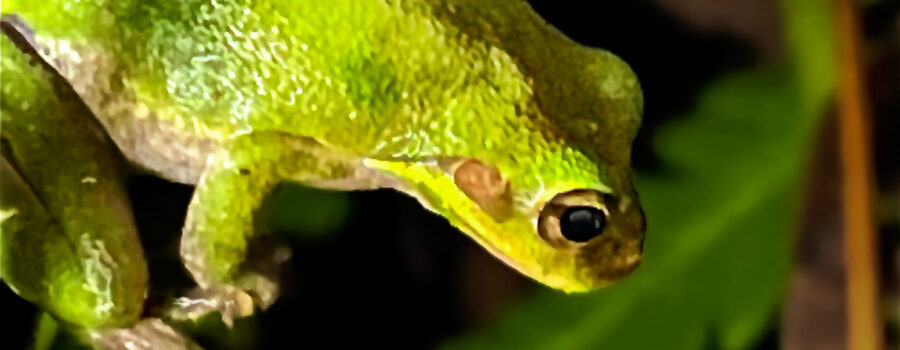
x,y
44,332
808,34
48,335
305,211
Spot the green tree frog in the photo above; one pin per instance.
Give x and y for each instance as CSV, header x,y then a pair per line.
x,y
492,118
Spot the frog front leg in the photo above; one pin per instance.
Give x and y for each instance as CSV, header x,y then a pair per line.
x,y
219,227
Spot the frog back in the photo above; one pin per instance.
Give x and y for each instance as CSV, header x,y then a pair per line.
x,y
386,79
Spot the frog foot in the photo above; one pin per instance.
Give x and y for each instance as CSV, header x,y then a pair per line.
x,y
148,334
232,292
232,302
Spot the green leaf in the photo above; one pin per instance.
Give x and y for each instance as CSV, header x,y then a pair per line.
x,y
304,211
718,242
808,33
44,332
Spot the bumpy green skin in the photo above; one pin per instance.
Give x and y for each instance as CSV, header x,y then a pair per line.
x,y
68,240
236,96
383,80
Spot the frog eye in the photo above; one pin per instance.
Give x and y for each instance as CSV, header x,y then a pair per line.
x,y
581,223
573,218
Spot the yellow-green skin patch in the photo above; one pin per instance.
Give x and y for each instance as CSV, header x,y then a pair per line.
x,y
399,85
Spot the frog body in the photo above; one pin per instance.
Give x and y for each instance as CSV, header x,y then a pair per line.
x,y
488,115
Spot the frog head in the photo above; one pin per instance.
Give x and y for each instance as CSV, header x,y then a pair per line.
x,y
553,198
567,233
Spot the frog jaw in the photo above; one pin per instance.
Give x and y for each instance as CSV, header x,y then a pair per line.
x,y
525,265
514,241
581,267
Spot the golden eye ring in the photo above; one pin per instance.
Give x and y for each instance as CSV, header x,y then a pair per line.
x,y
571,219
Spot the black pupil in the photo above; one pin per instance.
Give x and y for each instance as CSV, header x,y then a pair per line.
x,y
580,224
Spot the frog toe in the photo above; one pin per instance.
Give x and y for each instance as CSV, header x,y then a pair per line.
x,y
231,302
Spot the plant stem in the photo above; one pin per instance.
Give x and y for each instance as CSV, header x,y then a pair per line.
x,y
864,329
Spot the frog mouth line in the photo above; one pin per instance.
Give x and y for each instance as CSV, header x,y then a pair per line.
x,y
457,217
539,275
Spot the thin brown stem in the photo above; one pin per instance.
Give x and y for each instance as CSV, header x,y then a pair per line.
x,y
864,328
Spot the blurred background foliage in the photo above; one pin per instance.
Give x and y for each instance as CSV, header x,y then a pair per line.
x,y
724,160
